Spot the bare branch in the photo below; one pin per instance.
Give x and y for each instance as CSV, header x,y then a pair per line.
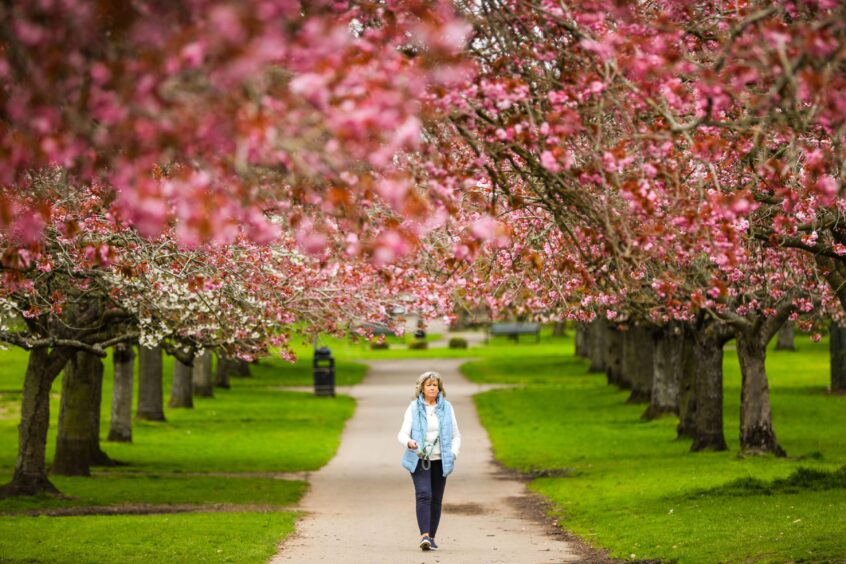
x,y
28,344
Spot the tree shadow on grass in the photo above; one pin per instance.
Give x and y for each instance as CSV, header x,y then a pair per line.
x,y
801,480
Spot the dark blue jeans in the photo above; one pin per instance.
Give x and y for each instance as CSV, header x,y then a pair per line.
x,y
429,492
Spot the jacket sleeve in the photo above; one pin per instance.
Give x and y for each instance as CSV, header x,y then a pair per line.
x,y
456,435
404,434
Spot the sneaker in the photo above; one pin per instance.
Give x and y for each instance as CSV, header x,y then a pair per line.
x,y
425,543
432,544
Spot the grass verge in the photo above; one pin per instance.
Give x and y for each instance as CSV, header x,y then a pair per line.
x,y
629,486
207,462
183,537
301,373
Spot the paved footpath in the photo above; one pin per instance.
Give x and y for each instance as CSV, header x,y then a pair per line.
x,y
360,506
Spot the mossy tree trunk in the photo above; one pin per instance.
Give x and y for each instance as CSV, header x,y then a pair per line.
x,y
597,331
786,337
30,477
614,356
711,335
627,358
225,367
837,345
78,436
687,385
581,340
98,456
181,394
202,375
756,420
73,440
834,271
639,362
120,424
150,389
667,372
240,368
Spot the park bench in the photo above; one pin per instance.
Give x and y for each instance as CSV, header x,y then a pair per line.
x,y
378,329
514,330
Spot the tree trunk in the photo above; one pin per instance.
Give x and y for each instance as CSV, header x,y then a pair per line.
x,y
596,345
837,346
120,424
76,422
834,271
667,373
786,338
30,476
639,362
614,356
708,423
629,356
225,367
756,421
202,376
181,390
687,386
581,339
559,329
241,368
150,376
78,437
98,457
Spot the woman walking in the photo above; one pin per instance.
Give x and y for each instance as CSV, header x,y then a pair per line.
x,y
431,438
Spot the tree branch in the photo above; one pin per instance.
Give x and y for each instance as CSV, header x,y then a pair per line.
x,y
772,324
29,343
738,322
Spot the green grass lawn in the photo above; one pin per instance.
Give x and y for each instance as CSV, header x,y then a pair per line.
x,y
254,427
180,537
113,488
497,347
620,483
301,373
631,487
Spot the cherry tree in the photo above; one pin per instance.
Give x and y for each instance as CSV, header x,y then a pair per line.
x,y
661,139
577,158
152,152
214,112
92,281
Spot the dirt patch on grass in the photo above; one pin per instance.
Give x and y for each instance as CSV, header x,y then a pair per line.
x,y
534,506
10,404
552,473
537,508
504,473
150,509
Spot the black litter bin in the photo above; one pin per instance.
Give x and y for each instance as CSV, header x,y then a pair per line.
x,y
324,372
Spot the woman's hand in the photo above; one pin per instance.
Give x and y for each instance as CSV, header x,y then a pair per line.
x,y
412,444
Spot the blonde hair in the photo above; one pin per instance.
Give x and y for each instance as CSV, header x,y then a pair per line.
x,y
421,381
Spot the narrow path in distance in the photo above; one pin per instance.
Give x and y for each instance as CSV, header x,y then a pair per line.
x,y
360,507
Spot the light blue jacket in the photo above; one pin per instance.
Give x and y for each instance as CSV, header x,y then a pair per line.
x,y
418,433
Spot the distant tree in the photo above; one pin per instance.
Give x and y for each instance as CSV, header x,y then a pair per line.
x,y
120,423
150,389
